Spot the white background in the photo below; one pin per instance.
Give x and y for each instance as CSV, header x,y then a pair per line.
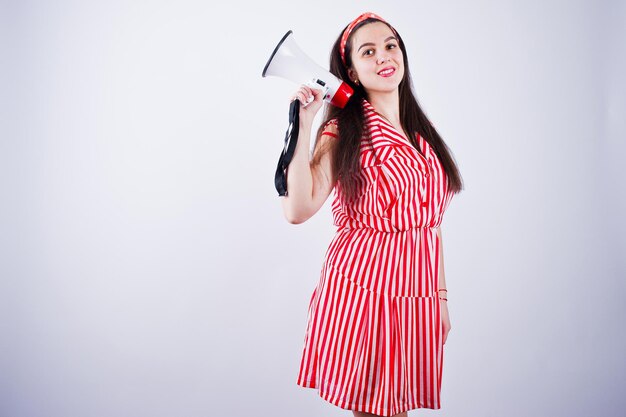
x,y
146,268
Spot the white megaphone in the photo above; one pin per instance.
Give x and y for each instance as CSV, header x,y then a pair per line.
x,y
288,61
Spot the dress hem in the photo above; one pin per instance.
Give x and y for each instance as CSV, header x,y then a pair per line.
x,y
385,412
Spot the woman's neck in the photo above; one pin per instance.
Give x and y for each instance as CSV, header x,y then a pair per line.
x,y
387,105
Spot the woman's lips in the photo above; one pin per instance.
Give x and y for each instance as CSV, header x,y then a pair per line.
x,y
387,72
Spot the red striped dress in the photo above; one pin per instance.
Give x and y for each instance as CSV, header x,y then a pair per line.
x,y
373,340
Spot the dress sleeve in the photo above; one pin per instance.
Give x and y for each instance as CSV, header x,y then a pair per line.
x,y
330,128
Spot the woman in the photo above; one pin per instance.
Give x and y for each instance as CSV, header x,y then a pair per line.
x,y
378,318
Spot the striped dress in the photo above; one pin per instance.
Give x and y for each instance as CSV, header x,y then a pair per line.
x,y
373,340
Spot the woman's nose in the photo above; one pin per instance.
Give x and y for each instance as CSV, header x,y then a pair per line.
x,y
382,59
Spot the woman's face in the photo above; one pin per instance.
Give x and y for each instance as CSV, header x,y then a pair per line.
x,y
375,51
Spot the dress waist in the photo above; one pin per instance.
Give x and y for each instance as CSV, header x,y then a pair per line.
x,y
391,230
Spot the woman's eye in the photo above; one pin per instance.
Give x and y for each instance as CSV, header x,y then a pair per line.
x,y
371,51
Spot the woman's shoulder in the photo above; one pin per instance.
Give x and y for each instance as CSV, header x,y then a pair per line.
x,y
331,128
334,122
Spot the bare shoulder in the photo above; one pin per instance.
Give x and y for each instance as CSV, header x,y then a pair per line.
x,y
334,122
326,143
331,128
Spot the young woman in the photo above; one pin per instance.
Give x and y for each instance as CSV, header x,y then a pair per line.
x,y
378,318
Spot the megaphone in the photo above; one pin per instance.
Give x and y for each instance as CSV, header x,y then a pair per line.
x,y
289,62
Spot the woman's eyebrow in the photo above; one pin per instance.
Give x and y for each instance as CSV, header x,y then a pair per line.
x,y
371,43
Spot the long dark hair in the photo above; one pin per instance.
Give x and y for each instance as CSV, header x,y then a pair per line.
x,y
351,121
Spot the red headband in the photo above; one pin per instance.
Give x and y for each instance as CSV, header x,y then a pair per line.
x,y
346,33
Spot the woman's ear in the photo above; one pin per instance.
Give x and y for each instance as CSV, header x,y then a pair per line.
x,y
352,74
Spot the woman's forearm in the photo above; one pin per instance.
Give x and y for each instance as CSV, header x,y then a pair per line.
x,y
442,273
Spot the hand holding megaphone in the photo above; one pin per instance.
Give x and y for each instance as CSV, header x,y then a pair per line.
x,y
311,99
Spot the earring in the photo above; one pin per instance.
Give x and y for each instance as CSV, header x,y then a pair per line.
x,y
356,82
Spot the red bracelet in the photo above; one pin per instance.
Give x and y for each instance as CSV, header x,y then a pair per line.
x,y
441,298
443,289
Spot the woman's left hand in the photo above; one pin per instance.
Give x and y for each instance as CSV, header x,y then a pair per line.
x,y
445,320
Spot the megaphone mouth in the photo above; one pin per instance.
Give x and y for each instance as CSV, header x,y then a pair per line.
x,y
274,53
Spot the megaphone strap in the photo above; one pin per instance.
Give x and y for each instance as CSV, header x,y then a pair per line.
x,y
291,139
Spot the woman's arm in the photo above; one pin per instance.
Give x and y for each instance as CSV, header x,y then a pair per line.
x,y
442,274
445,315
308,185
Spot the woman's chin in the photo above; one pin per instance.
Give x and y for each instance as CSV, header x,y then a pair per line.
x,y
385,88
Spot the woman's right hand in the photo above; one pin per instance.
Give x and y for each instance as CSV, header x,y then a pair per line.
x,y
308,109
